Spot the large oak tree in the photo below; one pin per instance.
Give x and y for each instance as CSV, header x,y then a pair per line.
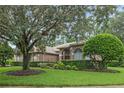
x,y
26,26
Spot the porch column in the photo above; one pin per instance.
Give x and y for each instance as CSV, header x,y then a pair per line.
x,y
71,53
60,55
63,55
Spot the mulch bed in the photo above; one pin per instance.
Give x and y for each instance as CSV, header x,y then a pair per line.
x,y
107,70
24,72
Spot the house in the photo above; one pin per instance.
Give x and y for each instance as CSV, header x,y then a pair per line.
x,y
51,54
71,51
67,51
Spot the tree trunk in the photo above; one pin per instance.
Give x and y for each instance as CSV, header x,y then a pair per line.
x,y
26,61
102,65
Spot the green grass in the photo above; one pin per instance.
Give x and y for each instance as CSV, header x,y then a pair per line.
x,y
62,78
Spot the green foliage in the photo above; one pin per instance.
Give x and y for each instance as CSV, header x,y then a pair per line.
x,y
17,63
96,22
9,62
117,25
35,64
59,65
68,67
6,52
45,65
115,63
74,68
122,65
42,65
101,17
55,66
80,64
107,46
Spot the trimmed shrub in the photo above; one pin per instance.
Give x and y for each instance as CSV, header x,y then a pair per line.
x,y
59,65
17,63
80,64
105,46
122,65
55,66
115,63
68,67
74,68
35,64
42,65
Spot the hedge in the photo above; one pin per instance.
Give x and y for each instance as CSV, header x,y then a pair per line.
x,y
86,64
115,63
80,64
33,64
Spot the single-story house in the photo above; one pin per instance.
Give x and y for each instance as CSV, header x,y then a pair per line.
x,y
67,51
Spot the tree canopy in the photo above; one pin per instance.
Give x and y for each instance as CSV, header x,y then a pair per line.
x,y
93,20
116,25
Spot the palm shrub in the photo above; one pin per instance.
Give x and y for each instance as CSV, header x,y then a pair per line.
x,y
102,49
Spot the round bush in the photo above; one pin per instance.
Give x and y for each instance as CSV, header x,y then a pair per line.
x,y
74,68
59,65
103,48
68,67
55,66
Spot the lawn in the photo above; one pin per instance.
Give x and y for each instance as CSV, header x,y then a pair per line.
x,y
61,78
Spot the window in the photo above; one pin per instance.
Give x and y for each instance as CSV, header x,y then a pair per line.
x,y
78,54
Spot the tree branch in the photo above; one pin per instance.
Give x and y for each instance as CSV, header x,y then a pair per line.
x,y
32,44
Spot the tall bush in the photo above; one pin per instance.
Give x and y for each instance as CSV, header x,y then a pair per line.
x,y
102,49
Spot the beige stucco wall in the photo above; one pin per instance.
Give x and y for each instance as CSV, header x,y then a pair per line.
x,y
39,57
72,50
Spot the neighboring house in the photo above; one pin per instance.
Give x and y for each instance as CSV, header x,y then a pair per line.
x,y
68,51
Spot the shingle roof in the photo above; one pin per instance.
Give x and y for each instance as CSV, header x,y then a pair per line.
x,y
51,50
56,49
69,44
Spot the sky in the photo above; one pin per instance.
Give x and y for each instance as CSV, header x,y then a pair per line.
x,y
120,8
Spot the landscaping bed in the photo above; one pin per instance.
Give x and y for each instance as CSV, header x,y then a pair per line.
x,y
24,72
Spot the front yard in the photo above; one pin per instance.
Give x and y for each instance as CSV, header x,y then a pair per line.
x,y
61,78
